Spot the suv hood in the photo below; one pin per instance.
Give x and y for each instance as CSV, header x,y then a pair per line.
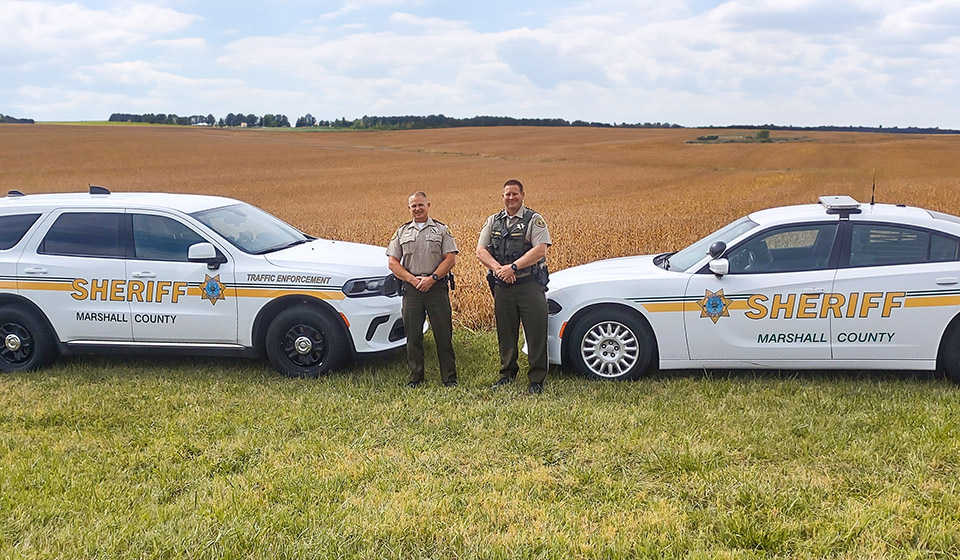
x,y
355,259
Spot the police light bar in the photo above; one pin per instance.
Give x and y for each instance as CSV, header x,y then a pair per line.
x,y
837,203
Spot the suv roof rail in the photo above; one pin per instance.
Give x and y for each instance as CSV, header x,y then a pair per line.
x,y
95,189
14,192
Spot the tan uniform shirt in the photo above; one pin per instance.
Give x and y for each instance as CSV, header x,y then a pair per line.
x,y
536,234
421,250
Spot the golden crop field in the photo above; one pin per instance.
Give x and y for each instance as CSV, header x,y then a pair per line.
x,y
603,192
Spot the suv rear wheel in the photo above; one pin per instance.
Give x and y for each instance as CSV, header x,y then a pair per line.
x,y
26,342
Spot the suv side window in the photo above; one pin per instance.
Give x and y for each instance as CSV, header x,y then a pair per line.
x,y
883,244
788,249
85,234
160,238
13,228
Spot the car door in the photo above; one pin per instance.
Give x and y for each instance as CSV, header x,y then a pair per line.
x,y
75,272
173,299
767,308
900,286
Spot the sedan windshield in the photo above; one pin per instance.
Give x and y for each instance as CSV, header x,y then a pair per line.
x,y
690,256
250,229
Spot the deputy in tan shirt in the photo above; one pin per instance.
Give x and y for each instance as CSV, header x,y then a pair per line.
x,y
421,254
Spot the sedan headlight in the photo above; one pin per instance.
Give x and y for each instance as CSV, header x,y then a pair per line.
x,y
368,287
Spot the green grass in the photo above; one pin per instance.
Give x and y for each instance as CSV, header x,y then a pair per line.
x,y
217,458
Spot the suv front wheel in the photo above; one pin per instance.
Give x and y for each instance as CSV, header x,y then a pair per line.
x,y
303,341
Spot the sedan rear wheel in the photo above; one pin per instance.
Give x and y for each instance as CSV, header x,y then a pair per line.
x,y
611,344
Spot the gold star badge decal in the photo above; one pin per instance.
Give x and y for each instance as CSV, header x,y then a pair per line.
x,y
212,289
714,305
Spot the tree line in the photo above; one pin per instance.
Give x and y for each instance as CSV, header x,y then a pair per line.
x,y
13,120
407,122
366,122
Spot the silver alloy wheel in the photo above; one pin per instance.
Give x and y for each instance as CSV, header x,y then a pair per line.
x,y
609,349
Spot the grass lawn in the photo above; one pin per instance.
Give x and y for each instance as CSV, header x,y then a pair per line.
x,y
215,458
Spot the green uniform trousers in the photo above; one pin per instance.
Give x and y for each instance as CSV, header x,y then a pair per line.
x,y
435,304
514,304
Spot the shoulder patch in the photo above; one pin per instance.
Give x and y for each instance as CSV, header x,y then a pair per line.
x,y
540,222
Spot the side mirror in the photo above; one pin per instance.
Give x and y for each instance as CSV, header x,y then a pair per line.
x,y
717,249
206,253
720,267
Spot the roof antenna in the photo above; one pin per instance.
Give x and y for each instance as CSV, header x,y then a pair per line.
x,y
873,192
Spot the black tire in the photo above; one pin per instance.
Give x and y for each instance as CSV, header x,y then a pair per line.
x,y
950,353
25,341
611,344
303,341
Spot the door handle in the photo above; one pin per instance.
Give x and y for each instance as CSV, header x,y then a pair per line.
x,y
34,270
144,275
949,281
812,291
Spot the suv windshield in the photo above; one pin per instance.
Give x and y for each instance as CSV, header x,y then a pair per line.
x,y
250,229
690,256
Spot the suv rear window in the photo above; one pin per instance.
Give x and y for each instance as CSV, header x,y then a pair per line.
x,y
85,234
13,228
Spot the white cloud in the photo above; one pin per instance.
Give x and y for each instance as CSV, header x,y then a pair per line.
x,y
49,28
188,43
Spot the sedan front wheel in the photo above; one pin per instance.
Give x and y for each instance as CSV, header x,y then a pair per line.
x,y
611,344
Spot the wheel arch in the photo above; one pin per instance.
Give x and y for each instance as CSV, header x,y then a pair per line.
x,y
269,312
565,341
18,300
952,327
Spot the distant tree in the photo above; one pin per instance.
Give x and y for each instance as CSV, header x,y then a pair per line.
x,y
306,120
252,120
763,135
211,120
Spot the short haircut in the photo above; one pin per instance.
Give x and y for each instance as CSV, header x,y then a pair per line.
x,y
418,193
513,182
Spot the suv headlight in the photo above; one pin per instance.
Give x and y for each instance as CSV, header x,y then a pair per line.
x,y
365,287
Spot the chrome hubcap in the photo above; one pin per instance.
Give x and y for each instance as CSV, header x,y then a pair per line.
x,y
303,345
610,349
12,342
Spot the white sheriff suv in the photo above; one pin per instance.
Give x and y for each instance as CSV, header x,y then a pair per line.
x,y
189,274
834,285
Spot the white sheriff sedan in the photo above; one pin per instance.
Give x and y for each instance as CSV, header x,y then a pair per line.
x,y
834,285
188,274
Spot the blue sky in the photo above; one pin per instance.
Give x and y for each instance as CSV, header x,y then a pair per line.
x,y
690,62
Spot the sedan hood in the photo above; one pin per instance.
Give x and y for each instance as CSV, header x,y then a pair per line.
x,y
326,254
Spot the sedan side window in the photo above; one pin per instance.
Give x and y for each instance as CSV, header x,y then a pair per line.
x,y
159,238
85,234
882,244
789,249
